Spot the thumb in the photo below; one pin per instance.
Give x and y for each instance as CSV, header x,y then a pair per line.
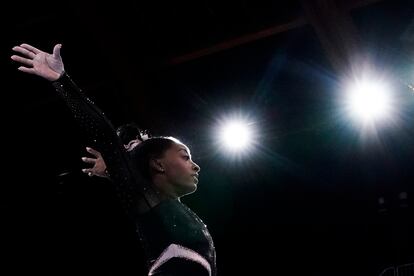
x,y
56,50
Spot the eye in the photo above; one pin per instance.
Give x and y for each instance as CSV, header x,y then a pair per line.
x,y
186,157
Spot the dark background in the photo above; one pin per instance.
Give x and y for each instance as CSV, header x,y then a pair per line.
x,y
305,201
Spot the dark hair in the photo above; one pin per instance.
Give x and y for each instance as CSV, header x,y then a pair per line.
x,y
151,148
130,132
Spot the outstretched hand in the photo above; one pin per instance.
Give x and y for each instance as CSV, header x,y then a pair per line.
x,y
40,63
99,166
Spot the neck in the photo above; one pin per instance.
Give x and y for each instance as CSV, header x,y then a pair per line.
x,y
154,195
164,188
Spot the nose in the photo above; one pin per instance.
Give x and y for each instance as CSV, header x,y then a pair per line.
x,y
196,167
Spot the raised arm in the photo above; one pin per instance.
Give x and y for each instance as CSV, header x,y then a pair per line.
x,y
91,119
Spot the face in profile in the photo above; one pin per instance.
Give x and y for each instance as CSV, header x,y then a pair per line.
x,y
180,171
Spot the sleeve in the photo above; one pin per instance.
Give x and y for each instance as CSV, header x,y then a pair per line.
x,y
129,183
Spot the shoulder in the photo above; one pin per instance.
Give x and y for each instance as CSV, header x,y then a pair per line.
x,y
178,260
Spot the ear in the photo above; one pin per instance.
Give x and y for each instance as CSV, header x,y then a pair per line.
x,y
156,165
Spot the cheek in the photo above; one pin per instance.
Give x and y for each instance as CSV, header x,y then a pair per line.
x,y
178,171
173,169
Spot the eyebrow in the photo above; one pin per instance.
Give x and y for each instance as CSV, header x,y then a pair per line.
x,y
185,150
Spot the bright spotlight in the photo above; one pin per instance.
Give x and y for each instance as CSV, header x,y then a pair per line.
x,y
236,135
369,101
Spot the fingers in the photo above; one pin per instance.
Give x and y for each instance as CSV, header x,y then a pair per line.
x,y
25,61
89,172
56,51
89,160
24,51
30,48
95,153
26,70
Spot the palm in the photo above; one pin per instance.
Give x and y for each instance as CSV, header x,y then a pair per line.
x,y
46,65
35,61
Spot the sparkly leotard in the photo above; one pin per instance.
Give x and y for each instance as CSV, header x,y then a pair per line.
x,y
174,238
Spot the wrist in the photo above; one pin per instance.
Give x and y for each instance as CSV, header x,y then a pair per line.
x,y
56,76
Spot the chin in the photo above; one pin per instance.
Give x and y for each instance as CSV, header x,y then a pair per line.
x,y
187,188
191,188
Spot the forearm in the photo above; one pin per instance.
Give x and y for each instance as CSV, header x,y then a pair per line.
x,y
103,136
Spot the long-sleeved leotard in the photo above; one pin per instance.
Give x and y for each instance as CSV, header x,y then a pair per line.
x,y
175,240
130,185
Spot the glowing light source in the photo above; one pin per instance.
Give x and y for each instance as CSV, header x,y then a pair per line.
x,y
236,135
369,101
